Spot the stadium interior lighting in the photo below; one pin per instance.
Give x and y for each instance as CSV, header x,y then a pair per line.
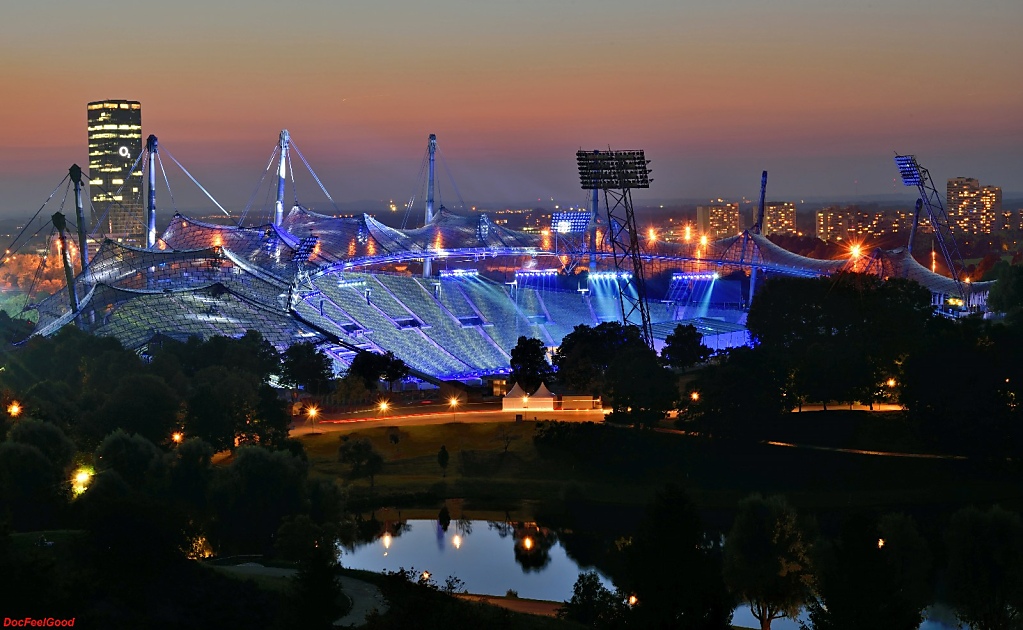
x,y
613,170
570,222
909,169
342,284
459,273
610,275
695,276
535,273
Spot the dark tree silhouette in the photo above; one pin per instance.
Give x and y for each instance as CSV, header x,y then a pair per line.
x,y
529,365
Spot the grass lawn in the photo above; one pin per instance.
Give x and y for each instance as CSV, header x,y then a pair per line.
x,y
479,469
717,473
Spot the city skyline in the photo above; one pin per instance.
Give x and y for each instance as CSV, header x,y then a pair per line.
x,y
818,94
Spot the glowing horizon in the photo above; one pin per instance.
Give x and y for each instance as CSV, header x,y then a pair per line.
x,y
819,94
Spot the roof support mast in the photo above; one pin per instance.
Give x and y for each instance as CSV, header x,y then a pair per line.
x,y
282,172
60,223
431,150
76,178
152,149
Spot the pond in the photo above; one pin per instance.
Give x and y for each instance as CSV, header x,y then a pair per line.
x,y
493,557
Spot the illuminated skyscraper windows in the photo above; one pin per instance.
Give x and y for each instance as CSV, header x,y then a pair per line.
x,y
115,142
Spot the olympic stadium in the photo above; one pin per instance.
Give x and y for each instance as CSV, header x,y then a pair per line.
x,y
450,298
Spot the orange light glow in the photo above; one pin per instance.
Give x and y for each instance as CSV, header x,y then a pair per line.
x,y
704,241
14,409
527,543
695,396
177,437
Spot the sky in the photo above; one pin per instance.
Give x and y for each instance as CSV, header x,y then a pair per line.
x,y
820,93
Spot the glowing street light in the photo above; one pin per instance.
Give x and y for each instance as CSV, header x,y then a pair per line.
x,y
855,251
177,437
633,600
14,409
80,481
891,382
880,543
383,405
704,241
453,401
695,396
312,413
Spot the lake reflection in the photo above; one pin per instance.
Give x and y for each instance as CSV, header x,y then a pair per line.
x,y
491,557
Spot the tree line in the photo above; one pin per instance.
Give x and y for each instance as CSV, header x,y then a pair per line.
x,y
876,571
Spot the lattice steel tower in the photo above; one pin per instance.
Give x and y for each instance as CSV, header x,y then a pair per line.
x,y
617,173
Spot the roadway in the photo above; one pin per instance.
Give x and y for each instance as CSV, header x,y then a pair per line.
x,y
417,415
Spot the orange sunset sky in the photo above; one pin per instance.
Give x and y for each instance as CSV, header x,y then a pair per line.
x,y
819,93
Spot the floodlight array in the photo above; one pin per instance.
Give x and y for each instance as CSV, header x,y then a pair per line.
x,y
570,222
909,169
613,170
536,273
459,273
344,284
611,275
694,276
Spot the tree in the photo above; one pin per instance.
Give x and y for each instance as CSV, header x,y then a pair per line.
x,y
874,574
222,403
304,365
587,353
363,460
442,459
394,370
140,403
30,490
1006,294
985,568
48,438
674,569
594,606
132,456
254,494
767,559
529,365
368,367
684,347
639,389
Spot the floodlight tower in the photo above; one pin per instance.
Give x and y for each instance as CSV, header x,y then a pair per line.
x,y
75,172
282,172
758,227
617,173
915,175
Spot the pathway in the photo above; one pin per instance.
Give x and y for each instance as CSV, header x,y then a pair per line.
x,y
365,597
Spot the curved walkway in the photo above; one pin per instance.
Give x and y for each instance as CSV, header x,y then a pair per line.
x,y
365,597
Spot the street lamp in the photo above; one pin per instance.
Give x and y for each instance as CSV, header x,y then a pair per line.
x,y
695,396
177,437
312,413
453,401
14,409
383,405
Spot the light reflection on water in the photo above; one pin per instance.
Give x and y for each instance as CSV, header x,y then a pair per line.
x,y
492,558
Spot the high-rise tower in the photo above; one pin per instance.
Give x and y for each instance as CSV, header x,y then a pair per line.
x,y
115,142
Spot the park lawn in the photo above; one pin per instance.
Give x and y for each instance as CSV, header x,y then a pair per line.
x,y
479,470
716,473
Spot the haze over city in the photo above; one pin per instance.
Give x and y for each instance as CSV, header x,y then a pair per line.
x,y
818,93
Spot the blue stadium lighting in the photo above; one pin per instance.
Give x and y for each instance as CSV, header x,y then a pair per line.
x,y
611,275
694,276
459,273
343,284
570,222
909,169
536,273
